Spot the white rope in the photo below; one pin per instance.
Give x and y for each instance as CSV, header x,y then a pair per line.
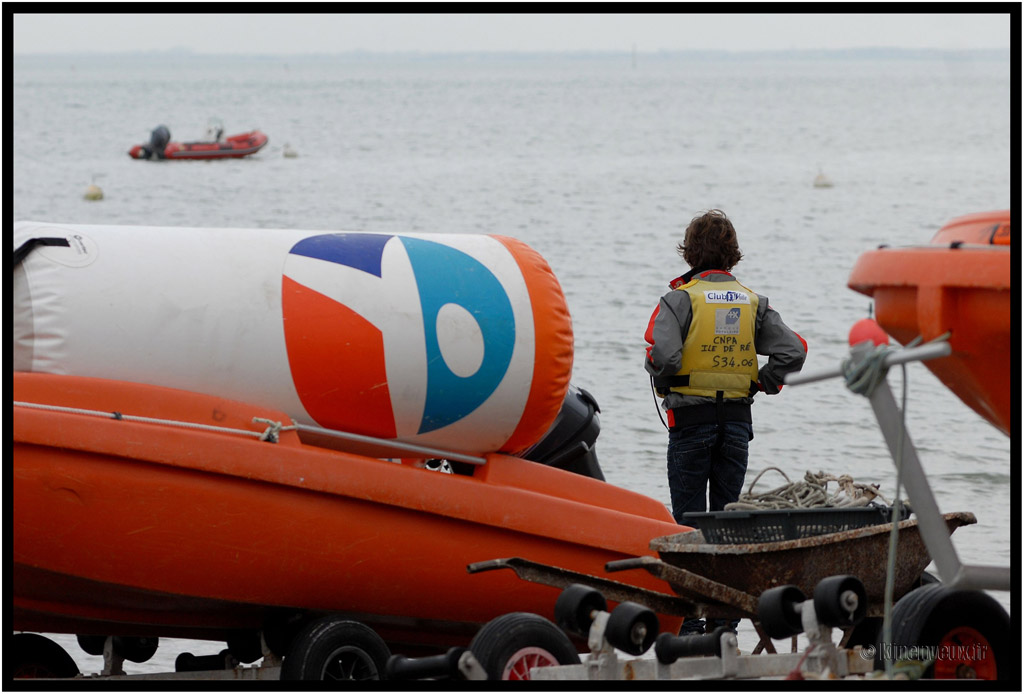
x,y
274,428
811,492
270,434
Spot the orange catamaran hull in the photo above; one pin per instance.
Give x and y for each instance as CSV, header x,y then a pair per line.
x,y
127,521
958,284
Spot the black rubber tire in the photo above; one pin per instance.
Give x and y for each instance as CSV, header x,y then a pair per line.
x,y
36,656
509,645
91,643
926,617
280,629
868,632
632,628
137,649
244,645
186,662
776,610
333,648
829,607
574,608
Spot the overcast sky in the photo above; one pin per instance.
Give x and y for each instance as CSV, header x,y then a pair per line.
x,y
291,34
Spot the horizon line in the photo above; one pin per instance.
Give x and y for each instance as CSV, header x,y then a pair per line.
x,y
183,51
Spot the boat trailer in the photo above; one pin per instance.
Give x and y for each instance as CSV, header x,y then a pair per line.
x,y
947,629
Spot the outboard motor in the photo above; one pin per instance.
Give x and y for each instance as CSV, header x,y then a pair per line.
x,y
569,443
158,141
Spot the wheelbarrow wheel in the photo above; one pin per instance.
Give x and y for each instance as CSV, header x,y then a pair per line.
x,y
575,607
332,648
777,611
36,656
964,632
632,628
840,601
510,645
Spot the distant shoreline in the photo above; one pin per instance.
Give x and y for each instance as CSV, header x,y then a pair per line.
x,y
526,56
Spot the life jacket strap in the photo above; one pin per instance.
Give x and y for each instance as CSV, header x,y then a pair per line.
x,y
720,417
664,384
694,415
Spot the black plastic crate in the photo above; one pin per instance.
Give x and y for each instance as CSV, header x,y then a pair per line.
x,y
743,527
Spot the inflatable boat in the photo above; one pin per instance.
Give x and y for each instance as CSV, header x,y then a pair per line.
x,y
233,432
231,147
958,284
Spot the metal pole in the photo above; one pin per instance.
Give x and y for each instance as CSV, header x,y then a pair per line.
x,y
929,351
929,518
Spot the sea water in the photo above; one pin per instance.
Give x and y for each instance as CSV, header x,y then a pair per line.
x,y
598,162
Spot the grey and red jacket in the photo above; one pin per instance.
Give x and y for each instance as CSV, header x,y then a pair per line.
x,y
670,324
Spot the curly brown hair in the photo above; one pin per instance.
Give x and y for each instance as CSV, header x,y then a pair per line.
x,y
710,243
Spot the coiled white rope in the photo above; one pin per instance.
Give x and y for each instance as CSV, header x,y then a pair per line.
x,y
811,492
269,434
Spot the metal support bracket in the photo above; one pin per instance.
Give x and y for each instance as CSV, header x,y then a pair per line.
x,y
930,522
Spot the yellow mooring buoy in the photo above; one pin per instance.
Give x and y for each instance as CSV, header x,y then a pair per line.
x,y
822,181
93,192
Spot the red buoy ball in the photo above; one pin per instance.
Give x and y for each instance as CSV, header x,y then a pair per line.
x,y
867,329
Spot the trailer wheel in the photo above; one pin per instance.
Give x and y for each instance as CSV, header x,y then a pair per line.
x,y
868,631
632,628
280,629
91,644
966,632
137,649
776,609
36,656
840,601
575,607
245,646
509,645
332,648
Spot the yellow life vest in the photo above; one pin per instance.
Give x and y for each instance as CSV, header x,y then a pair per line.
x,y
718,353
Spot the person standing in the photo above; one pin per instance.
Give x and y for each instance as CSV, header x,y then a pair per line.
x,y
704,338
703,341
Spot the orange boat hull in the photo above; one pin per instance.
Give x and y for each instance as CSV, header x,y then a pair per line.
x,y
144,528
959,284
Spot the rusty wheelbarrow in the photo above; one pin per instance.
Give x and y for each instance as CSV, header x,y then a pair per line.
x,y
725,580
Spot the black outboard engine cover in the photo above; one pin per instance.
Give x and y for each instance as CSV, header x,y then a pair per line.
x,y
158,140
569,443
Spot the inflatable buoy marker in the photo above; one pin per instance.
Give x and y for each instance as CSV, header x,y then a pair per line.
x,y
822,181
93,192
289,152
868,330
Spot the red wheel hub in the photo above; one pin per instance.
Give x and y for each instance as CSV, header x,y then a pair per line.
x,y
518,666
964,653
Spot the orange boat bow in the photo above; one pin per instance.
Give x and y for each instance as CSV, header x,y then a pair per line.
x,y
960,284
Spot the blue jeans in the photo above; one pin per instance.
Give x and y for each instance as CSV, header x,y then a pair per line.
x,y
693,465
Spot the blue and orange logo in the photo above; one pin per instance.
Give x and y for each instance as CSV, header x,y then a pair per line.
x,y
395,336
